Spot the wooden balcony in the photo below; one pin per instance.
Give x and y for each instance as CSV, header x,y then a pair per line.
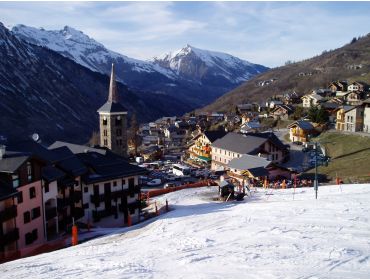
x,y
8,213
50,213
9,237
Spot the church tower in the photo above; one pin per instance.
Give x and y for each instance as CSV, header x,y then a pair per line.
x,y
113,121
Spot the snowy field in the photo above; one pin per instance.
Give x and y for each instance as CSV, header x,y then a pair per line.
x,y
267,236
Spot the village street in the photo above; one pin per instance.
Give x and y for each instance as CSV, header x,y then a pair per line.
x,y
298,159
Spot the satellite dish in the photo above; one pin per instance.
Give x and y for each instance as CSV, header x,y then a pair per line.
x,y
35,137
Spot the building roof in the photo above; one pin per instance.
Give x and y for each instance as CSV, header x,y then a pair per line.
x,y
107,167
12,161
212,136
75,148
51,173
112,107
258,171
246,162
32,147
305,125
69,162
242,144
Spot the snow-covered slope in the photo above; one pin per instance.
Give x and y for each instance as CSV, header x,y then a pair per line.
x,y
268,236
196,63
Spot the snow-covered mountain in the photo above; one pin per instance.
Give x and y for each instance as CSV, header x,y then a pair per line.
x,y
78,46
43,91
197,64
196,76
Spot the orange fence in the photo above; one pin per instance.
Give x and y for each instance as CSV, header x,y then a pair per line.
x,y
204,183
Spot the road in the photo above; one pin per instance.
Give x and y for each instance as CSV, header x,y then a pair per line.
x,y
298,159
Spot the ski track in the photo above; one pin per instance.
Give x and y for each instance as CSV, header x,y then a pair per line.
x,y
266,236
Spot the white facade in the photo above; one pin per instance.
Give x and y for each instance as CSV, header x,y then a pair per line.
x,y
367,120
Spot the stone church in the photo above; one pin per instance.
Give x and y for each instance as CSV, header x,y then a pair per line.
x,y
113,121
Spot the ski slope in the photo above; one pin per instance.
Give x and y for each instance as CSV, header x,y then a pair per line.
x,y
267,236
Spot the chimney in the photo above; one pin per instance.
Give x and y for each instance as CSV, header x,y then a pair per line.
x,y
2,151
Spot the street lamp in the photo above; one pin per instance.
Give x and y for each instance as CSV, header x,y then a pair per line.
x,y
325,162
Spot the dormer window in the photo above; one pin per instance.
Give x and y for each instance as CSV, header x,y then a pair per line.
x,y
15,179
29,171
118,120
105,122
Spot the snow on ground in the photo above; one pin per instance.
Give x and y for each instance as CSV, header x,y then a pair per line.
x,y
267,236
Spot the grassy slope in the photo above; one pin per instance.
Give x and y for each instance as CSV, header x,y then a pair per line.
x,y
350,156
330,66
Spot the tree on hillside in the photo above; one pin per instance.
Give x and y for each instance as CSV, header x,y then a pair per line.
x,y
318,115
298,113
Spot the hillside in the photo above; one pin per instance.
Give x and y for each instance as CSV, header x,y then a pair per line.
x,y
350,157
269,236
316,72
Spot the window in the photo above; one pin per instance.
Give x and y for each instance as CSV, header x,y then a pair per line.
x,y
114,183
120,142
46,187
118,121
29,171
32,192
123,182
20,198
26,217
105,133
34,234
105,122
36,212
119,132
29,238
15,179
86,189
105,142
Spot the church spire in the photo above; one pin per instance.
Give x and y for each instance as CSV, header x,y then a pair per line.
x,y
113,97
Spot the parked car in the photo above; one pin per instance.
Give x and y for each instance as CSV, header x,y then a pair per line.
x,y
214,177
169,185
154,182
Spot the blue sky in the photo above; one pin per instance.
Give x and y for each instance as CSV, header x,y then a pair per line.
x,y
267,33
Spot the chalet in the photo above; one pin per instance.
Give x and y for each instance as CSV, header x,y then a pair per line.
x,y
282,112
249,117
300,131
311,100
355,97
358,86
272,103
350,118
366,105
200,149
249,167
244,108
330,108
338,86
23,212
234,145
253,126
9,232
111,188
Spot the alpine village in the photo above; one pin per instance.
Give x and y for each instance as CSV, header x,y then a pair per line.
x,y
302,125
